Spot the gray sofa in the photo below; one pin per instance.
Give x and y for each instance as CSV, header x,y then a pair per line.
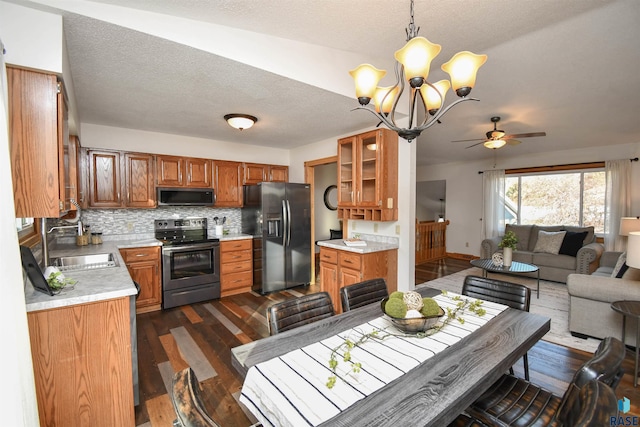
x,y
590,298
554,267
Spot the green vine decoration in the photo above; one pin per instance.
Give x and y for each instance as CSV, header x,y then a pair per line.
x,y
462,304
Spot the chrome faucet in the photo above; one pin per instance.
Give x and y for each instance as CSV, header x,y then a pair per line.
x,y
44,233
61,227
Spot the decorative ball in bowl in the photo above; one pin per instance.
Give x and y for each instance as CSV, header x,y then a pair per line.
x,y
411,313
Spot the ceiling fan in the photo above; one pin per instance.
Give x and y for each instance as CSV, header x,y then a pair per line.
x,y
497,138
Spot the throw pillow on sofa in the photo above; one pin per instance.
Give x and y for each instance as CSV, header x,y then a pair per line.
x,y
549,242
623,271
621,266
572,242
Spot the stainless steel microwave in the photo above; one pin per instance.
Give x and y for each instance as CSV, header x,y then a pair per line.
x,y
185,196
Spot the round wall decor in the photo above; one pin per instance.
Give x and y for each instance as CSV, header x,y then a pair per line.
x,y
331,197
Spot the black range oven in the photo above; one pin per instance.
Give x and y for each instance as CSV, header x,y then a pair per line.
x,y
190,261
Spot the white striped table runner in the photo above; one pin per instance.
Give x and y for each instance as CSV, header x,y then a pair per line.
x,y
291,390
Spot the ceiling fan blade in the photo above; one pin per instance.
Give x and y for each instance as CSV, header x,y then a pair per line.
x,y
469,140
512,141
525,135
481,142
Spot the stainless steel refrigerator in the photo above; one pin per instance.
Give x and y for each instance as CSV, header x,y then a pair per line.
x,y
278,215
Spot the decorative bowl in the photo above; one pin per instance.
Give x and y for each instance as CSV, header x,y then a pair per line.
x,y
412,325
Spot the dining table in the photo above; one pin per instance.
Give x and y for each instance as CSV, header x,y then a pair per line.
x,y
429,392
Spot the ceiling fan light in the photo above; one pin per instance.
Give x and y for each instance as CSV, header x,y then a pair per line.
x,y
462,69
384,97
366,78
434,96
240,121
416,57
495,143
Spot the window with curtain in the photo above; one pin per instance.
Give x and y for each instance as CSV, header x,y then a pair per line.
x,y
574,197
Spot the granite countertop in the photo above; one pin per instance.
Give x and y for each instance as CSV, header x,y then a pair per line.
x,y
371,246
233,236
93,285
101,283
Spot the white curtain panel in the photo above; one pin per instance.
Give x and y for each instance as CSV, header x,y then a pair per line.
x,y
493,184
617,202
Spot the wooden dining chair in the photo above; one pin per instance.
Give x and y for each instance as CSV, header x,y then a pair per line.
x,y
295,312
507,293
363,293
514,401
187,403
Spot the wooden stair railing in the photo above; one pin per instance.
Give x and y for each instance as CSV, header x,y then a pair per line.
x,y
431,241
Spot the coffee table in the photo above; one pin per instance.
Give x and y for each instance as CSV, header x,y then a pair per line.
x,y
629,309
516,267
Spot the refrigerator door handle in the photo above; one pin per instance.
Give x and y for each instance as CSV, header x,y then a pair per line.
x,y
288,223
285,223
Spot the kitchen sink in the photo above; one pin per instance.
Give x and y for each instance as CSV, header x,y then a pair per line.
x,y
85,262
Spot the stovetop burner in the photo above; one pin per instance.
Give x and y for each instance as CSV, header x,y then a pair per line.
x,y
182,231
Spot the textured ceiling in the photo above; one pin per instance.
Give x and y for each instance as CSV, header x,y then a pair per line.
x,y
565,67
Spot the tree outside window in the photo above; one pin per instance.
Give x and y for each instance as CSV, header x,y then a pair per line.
x,y
568,198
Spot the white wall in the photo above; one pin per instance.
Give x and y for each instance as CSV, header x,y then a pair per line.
x,y
32,38
325,218
464,187
18,405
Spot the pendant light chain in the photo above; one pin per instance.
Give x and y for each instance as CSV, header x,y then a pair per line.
x,y
411,30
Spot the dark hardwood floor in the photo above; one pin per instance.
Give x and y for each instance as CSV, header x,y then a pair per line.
x,y
201,335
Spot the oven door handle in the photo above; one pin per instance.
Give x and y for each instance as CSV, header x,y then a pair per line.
x,y
190,246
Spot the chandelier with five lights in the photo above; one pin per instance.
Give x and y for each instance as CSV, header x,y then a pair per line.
x,y
412,65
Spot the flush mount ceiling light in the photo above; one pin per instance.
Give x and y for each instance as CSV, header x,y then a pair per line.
x,y
240,121
412,64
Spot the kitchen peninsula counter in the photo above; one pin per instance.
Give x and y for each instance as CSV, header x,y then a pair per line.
x,y
369,248
342,265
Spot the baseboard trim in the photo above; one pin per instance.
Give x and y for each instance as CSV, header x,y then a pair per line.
x,y
461,256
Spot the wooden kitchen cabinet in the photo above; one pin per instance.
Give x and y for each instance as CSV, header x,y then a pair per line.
x,y
144,268
278,173
255,173
119,179
139,180
258,172
83,363
38,137
227,183
340,268
173,171
73,177
236,266
368,176
105,179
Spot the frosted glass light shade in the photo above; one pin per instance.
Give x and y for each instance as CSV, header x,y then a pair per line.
x,y
240,121
416,57
629,224
434,100
385,96
495,143
366,78
462,69
633,249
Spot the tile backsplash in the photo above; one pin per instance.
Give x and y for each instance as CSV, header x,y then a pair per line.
x,y
113,222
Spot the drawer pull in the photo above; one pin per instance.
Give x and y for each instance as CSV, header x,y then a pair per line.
x,y
142,254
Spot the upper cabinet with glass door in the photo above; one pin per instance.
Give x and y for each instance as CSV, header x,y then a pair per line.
x,y
368,176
